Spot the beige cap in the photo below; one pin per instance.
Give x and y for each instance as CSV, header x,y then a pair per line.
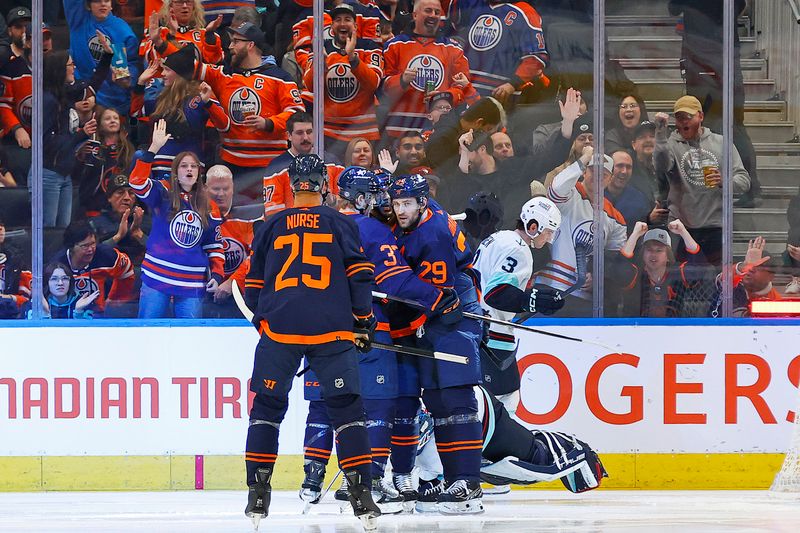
x,y
687,104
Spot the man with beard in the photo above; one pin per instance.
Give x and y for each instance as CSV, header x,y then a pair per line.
x,y
692,158
259,97
419,64
626,198
17,19
644,176
354,68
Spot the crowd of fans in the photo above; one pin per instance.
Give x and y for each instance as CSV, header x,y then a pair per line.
x,y
164,144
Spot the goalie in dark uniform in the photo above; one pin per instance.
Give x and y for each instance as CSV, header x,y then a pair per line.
x,y
309,259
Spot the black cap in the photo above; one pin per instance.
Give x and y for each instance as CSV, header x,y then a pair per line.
x,y
645,125
251,32
120,181
582,124
18,13
445,95
346,9
183,61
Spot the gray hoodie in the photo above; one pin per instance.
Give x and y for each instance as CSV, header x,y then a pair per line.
x,y
682,161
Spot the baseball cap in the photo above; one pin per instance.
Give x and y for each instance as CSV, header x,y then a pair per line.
x,y
120,181
249,31
661,236
343,8
608,163
18,13
438,97
687,104
643,127
46,28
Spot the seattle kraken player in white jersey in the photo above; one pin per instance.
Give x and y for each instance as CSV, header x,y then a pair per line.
x,y
505,262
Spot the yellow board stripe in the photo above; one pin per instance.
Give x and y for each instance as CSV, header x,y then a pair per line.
x,y
226,472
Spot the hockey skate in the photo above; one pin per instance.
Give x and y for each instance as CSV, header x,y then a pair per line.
x,y
461,497
386,497
404,484
361,499
342,496
311,489
428,495
258,496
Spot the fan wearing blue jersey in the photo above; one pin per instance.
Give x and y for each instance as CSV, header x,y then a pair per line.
x,y
431,244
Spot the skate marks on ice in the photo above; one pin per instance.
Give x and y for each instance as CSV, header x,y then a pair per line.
x,y
517,512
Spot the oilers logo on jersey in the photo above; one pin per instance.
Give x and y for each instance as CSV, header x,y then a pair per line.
x,y
583,234
242,103
485,32
342,83
85,285
235,253
185,229
429,68
95,48
25,111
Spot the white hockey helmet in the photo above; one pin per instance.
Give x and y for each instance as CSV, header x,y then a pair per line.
x,y
542,211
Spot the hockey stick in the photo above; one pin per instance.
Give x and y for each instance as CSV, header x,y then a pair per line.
x,y
475,316
442,356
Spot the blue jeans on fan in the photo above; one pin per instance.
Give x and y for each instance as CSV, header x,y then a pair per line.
x,y
56,198
156,304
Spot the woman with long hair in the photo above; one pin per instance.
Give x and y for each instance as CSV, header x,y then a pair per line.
x,y
98,160
185,105
182,21
59,141
184,257
360,153
632,111
60,299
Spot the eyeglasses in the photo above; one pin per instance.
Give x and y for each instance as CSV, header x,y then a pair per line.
x,y
442,108
58,279
629,106
86,245
235,40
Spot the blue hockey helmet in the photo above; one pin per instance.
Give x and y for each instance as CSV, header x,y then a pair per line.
x,y
358,186
409,186
307,173
384,178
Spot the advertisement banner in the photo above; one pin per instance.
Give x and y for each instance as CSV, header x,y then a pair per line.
x,y
184,391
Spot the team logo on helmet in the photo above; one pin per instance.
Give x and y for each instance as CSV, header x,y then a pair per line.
x,y
85,285
429,68
234,254
485,33
186,229
243,103
342,84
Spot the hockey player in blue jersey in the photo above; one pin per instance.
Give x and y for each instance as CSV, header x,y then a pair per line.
x,y
433,247
309,257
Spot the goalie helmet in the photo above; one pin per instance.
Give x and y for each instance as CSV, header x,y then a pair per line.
x,y
307,173
542,211
359,186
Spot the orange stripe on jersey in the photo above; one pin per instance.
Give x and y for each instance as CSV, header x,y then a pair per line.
x,y
386,274
305,339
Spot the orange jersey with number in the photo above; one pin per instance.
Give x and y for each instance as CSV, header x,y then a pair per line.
x,y
350,91
268,92
211,53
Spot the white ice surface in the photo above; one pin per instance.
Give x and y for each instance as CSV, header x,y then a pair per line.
x,y
518,512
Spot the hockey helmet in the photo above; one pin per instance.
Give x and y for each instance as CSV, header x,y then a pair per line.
x,y
409,186
359,186
307,173
542,211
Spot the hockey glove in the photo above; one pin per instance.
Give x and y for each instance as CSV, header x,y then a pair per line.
x,y
449,308
545,300
364,331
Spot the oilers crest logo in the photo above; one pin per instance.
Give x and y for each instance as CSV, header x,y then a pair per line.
x,y
342,84
85,285
485,33
429,68
95,48
583,235
185,229
25,110
243,103
234,254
